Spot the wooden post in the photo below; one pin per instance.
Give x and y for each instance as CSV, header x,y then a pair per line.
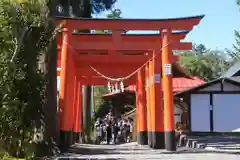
x,y
151,97
70,100
157,108
141,109
77,110
148,98
63,91
169,127
80,104
74,121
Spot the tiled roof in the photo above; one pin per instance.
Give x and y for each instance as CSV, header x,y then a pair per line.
x,y
179,84
232,80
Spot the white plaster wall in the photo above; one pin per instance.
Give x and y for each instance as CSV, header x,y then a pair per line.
x,y
200,112
226,110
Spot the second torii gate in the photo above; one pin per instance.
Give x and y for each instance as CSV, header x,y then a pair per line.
x,y
117,57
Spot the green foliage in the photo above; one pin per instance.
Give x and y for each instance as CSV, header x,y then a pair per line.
x,y
200,49
102,109
235,53
204,63
115,14
101,106
82,8
102,5
24,38
98,92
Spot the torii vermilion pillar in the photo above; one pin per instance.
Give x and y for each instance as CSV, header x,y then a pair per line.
x,y
169,123
141,110
71,59
148,104
156,97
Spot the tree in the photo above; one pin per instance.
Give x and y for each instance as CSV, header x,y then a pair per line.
x,y
83,8
200,49
115,14
24,38
98,92
235,53
206,65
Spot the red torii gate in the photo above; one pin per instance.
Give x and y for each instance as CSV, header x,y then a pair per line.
x,y
115,55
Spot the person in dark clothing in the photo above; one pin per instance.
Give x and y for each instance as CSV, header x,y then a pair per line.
x,y
115,130
109,131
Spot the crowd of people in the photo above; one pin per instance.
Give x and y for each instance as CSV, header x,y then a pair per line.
x,y
113,130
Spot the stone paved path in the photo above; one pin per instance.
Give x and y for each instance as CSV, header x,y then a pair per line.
x,y
132,151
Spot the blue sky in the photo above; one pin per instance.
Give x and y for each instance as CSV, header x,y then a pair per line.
x,y
216,30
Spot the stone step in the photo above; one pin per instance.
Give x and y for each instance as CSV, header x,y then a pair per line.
x,y
236,151
211,141
222,145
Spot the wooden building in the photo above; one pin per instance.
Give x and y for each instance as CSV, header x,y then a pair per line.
x,y
215,106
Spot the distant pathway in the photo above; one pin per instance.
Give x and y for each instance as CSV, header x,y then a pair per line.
x,y
132,151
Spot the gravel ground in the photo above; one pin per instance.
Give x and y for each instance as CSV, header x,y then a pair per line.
x,y
132,151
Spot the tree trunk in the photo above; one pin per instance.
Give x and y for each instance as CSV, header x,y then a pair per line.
x,y
49,67
51,89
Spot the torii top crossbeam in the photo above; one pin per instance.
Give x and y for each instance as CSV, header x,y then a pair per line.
x,y
184,23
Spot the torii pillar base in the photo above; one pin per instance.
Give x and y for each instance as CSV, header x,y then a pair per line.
x,y
142,138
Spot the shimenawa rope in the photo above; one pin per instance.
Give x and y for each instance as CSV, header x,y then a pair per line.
x,y
121,78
